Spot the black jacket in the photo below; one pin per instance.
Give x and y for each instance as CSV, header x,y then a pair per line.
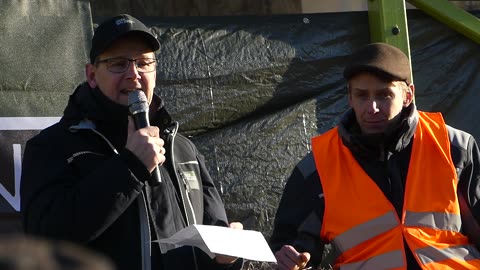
x,y
80,184
385,159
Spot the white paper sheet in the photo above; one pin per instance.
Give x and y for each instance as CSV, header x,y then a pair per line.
x,y
247,244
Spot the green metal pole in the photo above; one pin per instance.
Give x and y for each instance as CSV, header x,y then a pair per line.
x,y
453,16
388,23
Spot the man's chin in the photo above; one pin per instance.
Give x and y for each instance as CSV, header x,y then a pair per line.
x,y
122,99
371,130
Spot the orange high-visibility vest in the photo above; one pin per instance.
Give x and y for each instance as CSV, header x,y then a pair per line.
x,y
364,227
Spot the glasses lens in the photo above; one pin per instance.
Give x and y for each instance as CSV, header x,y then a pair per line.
x,y
146,64
118,65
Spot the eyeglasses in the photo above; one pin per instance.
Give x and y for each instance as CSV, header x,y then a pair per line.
x,y
120,65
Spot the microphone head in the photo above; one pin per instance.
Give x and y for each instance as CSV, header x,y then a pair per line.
x,y
137,102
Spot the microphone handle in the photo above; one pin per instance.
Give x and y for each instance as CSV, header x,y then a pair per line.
x,y
156,178
141,120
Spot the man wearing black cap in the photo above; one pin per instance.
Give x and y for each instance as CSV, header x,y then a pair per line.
x,y
87,179
381,187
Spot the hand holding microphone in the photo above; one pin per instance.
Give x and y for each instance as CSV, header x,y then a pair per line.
x,y
144,140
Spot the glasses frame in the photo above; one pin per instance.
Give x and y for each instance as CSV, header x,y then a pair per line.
x,y
108,60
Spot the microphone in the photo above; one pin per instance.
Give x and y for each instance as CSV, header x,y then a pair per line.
x,y
138,107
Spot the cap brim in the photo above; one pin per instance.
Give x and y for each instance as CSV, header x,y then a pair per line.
x,y
351,71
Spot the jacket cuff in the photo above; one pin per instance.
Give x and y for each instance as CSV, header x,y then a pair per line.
x,y
135,165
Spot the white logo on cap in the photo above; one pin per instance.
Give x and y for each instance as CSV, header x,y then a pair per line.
x,y
122,21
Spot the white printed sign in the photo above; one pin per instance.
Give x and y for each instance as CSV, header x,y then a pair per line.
x,y
14,133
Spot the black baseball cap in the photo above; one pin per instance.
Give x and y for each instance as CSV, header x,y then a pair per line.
x,y
381,59
116,27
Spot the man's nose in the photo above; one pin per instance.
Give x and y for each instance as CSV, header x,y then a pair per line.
x,y
132,70
373,106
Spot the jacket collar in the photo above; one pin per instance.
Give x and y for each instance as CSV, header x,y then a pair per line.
x,y
92,104
395,139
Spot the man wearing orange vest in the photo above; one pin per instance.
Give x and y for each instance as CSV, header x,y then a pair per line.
x,y
389,188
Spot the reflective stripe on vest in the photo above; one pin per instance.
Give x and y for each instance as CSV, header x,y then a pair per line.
x,y
365,231
389,260
368,235
439,221
430,254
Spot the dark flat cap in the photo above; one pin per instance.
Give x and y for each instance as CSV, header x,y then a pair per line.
x,y
119,26
381,59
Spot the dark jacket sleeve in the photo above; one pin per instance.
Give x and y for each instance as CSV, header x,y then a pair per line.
x,y
73,197
466,157
214,209
300,212
213,214
471,174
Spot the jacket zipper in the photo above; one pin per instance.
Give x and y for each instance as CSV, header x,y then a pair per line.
x,y
187,188
145,238
171,136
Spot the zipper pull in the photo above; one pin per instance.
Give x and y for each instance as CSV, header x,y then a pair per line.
x,y
184,179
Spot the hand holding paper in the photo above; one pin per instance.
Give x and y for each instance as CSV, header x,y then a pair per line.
x,y
225,259
247,244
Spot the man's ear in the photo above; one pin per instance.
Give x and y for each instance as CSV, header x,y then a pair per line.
x,y
90,75
409,95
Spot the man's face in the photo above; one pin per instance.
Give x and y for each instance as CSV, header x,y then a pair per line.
x,y
376,103
116,86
